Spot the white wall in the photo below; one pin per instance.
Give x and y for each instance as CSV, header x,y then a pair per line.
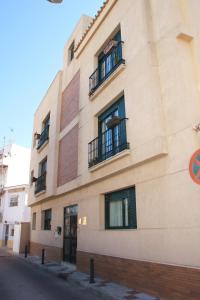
x,y
18,161
16,239
20,213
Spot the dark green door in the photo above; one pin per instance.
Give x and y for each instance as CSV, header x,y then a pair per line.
x,y
70,233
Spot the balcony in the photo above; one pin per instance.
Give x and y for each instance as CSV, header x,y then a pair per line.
x,y
111,61
40,184
109,143
44,137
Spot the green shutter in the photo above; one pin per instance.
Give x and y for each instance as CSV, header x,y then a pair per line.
x,y
132,209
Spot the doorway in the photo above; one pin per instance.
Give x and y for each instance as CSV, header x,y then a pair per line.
x,y
6,234
70,233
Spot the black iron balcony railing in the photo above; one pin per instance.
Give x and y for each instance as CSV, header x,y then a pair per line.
x,y
109,143
108,65
44,136
40,184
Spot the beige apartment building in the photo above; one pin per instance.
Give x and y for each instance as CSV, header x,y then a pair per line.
x,y
112,141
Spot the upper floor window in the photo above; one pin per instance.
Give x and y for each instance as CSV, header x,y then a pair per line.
x,y
13,201
120,209
108,61
71,51
40,183
44,136
112,134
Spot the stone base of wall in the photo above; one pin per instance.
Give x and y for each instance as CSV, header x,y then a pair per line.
x,y
167,281
51,253
10,244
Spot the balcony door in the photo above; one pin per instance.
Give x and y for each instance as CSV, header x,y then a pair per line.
x,y
6,235
70,233
111,139
106,62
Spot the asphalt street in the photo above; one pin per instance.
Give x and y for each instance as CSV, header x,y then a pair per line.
x,y
23,281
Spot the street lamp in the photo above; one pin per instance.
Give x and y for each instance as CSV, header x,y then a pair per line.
x,y
55,1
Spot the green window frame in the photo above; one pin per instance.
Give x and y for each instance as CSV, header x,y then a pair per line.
x,y
46,219
34,221
120,209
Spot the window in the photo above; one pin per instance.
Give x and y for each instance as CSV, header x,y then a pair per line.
x,y
13,201
112,134
120,209
46,219
40,184
34,221
71,51
109,60
44,136
43,167
46,122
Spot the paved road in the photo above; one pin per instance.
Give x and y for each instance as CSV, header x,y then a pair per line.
x,y
23,281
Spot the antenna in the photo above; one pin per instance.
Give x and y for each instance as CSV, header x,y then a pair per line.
x,y
1,165
12,136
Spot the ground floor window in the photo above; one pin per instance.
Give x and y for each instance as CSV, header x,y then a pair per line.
x,y
34,221
46,219
12,231
120,209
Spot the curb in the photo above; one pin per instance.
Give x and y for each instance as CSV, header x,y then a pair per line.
x,y
104,289
70,279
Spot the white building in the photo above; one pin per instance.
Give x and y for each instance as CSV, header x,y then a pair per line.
x,y
14,182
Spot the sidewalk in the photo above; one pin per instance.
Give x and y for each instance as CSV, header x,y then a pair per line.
x,y
107,290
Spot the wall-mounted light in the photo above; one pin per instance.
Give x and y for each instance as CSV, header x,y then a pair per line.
x,y
37,136
197,127
34,179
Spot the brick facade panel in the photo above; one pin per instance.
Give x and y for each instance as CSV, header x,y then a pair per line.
x,y
70,101
68,157
167,281
51,253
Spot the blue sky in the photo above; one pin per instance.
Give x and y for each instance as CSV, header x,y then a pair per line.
x,y
32,38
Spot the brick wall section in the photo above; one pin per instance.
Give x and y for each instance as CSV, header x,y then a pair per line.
x,y
51,253
70,101
166,281
68,157
25,236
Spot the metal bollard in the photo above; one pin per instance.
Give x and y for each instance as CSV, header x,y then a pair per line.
x,y
92,270
43,253
26,251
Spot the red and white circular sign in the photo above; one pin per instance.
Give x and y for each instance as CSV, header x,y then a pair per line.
x,y
194,167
